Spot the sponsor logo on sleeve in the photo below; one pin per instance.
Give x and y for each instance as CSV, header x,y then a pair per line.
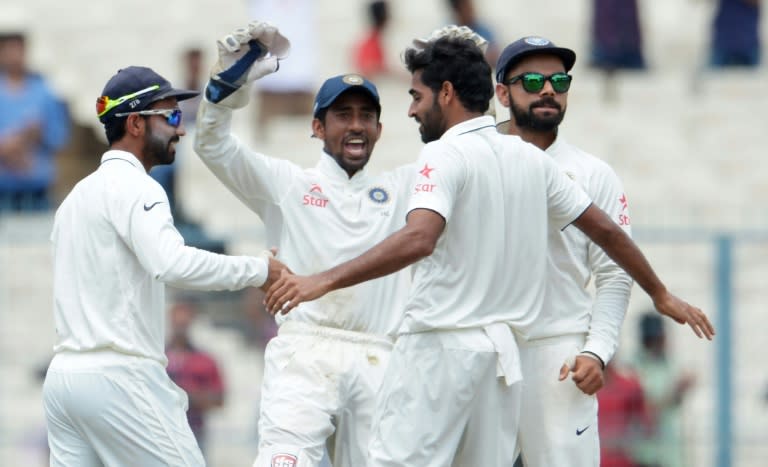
x,y
623,217
426,171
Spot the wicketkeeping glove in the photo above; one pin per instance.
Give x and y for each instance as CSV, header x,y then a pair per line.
x,y
245,55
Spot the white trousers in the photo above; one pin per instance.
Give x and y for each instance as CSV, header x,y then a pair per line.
x,y
442,404
108,409
318,392
558,423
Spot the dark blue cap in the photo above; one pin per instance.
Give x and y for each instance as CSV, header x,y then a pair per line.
x,y
336,86
133,79
531,45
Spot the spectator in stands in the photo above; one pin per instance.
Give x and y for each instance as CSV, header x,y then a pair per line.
x,y
193,370
369,54
735,34
616,40
166,174
34,126
292,91
664,387
623,417
464,14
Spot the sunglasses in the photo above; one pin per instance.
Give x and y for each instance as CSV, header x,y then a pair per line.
x,y
105,103
172,116
534,82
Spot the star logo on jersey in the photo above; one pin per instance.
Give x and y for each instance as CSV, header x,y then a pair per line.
x,y
623,201
283,460
315,188
426,171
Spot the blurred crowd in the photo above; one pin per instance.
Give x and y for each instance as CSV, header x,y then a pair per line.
x,y
640,416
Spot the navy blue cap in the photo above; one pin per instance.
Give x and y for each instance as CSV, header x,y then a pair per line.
x,y
651,326
134,79
531,45
334,87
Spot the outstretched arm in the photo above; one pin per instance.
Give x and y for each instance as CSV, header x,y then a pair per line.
x,y
620,247
406,246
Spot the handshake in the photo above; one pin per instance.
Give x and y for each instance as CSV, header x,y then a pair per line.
x,y
245,55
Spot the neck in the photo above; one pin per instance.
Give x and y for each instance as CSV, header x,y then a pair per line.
x,y
127,146
540,139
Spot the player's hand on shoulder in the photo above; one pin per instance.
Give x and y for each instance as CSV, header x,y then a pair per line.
x,y
685,313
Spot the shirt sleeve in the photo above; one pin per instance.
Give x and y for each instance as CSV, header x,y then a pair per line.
x,y
566,201
438,179
255,179
160,248
613,285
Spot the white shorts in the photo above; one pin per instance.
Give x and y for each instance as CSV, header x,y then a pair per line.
x,y
558,423
444,406
318,392
105,408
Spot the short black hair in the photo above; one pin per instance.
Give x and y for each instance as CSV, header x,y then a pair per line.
x,y
459,61
114,128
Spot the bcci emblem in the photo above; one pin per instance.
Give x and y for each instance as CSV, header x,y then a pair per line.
x,y
354,80
537,41
378,195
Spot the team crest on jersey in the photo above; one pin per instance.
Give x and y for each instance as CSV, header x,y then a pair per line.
x,y
283,460
378,195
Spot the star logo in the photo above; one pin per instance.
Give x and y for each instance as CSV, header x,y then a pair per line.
x,y
623,201
315,188
426,170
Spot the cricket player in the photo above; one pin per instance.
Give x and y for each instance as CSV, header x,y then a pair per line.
x,y
558,424
108,399
325,365
476,230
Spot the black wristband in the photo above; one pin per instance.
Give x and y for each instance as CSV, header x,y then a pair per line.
x,y
602,363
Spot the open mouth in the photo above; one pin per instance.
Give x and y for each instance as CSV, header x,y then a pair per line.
x,y
355,147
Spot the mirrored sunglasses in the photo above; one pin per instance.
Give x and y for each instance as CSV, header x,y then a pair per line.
x,y
172,116
534,82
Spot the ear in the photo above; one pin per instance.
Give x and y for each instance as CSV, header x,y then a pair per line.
x,y
318,129
378,130
502,92
134,125
447,92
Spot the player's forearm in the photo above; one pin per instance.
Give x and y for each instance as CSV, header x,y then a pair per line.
x,y
621,249
608,311
396,252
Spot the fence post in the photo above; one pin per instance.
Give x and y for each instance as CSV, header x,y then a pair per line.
x,y
724,402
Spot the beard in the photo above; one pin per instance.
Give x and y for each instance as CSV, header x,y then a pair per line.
x,y
158,149
433,123
527,119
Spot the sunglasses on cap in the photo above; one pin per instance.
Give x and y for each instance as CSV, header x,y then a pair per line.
x,y
172,116
105,103
534,82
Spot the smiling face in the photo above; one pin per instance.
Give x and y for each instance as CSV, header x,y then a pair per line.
x,y
539,111
350,130
425,110
160,137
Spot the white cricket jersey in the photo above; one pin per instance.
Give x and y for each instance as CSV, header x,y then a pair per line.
x,y
574,260
496,194
114,248
317,218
